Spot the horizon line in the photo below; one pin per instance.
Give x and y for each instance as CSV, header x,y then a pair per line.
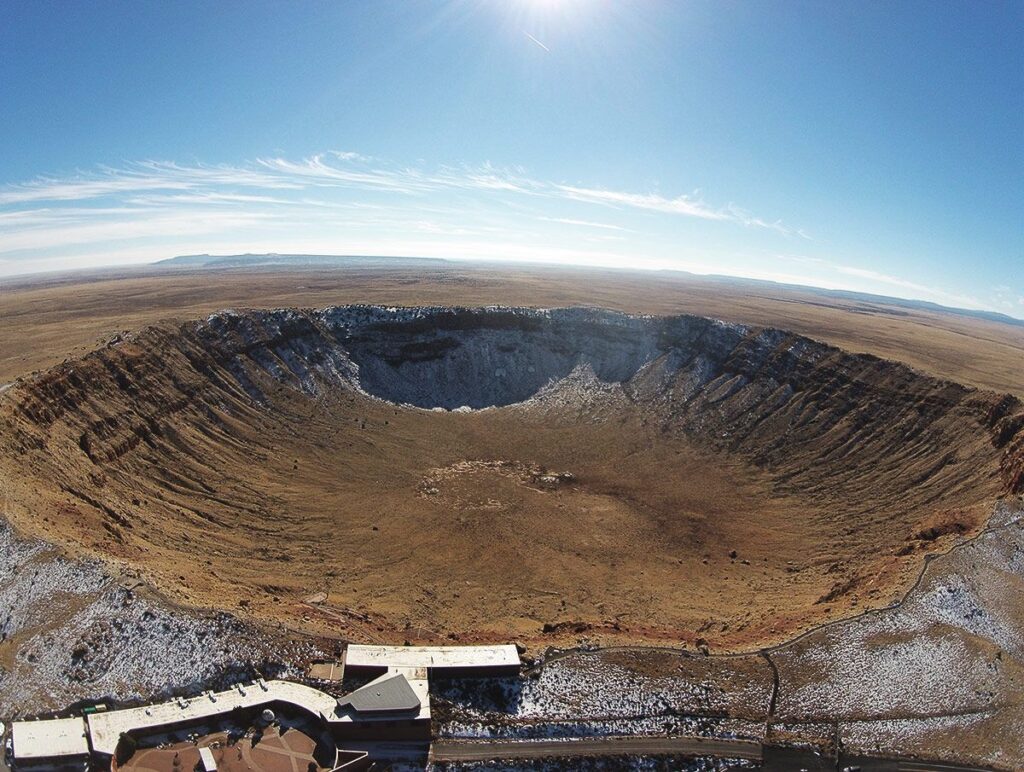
x,y
163,264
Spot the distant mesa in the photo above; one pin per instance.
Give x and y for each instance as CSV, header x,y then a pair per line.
x,y
271,260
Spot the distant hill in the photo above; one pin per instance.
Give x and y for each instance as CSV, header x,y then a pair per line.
x,y
274,259
875,300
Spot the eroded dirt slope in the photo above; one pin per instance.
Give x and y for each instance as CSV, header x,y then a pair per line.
x,y
639,478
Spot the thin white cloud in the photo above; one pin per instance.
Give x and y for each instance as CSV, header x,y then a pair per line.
x,y
1006,297
348,197
82,189
688,206
319,170
148,225
137,178
827,273
348,155
803,259
206,197
531,37
49,216
583,223
683,205
881,277
345,170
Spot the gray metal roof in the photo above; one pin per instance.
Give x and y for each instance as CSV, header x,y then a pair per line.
x,y
389,693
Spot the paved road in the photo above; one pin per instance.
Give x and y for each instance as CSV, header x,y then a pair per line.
x,y
895,765
773,759
475,750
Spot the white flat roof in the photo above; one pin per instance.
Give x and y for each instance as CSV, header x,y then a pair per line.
x,y
105,729
72,736
432,657
206,756
49,739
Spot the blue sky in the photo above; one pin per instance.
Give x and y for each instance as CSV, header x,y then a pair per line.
x,y
869,146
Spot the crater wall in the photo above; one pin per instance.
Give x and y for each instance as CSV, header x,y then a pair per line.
x,y
255,456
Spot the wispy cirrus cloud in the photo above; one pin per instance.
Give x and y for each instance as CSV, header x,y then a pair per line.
x,y
139,177
830,274
683,205
206,197
337,195
207,183
583,223
687,206
138,225
1008,298
905,284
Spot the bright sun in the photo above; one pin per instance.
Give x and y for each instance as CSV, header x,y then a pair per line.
x,y
549,11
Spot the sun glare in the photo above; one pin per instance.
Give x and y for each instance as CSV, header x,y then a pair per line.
x,y
538,9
